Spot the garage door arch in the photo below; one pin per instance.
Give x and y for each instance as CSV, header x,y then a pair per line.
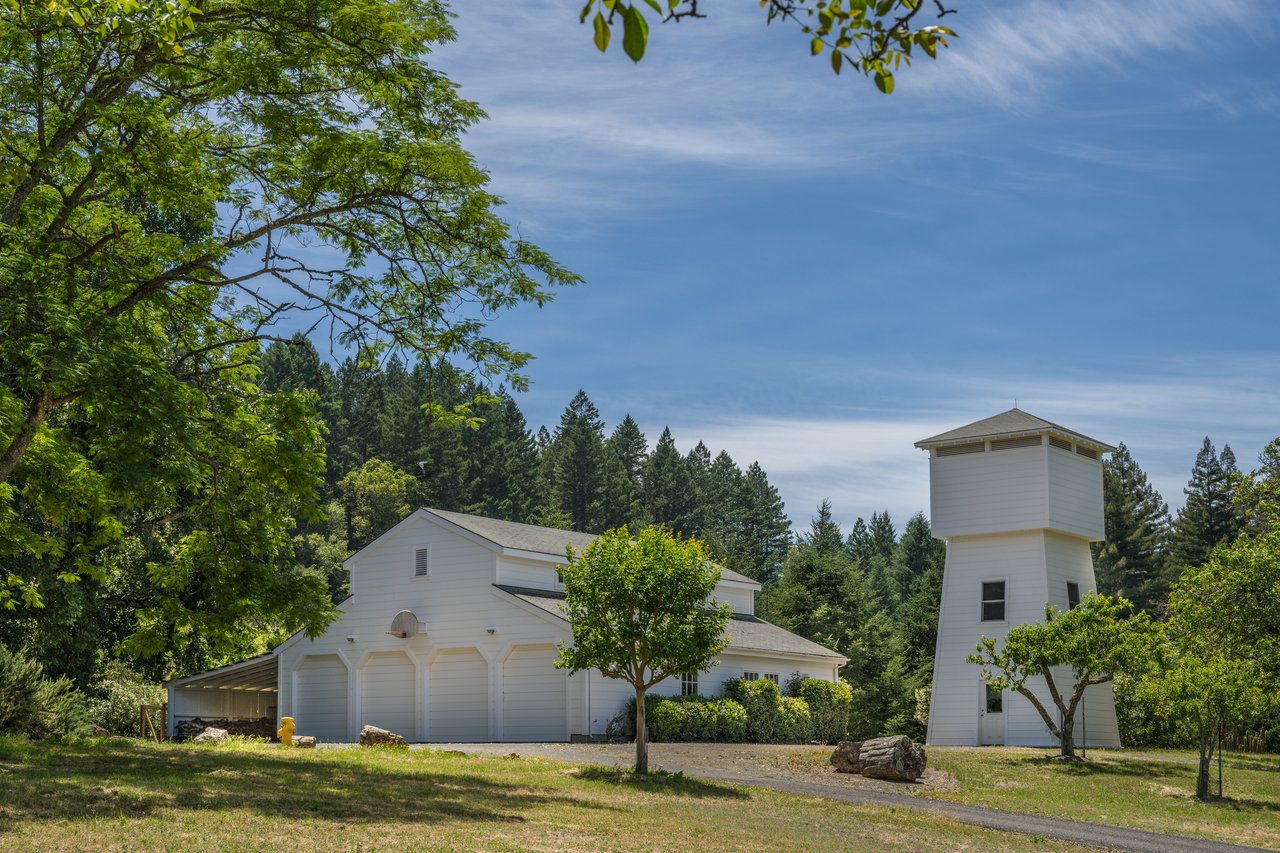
x,y
458,696
388,693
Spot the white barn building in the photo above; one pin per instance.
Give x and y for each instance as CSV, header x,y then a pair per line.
x,y
1018,500
450,634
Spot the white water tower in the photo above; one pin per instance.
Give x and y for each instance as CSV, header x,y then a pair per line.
x,y
1018,500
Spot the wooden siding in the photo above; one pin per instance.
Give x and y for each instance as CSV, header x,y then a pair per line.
x,y
322,697
991,492
1075,496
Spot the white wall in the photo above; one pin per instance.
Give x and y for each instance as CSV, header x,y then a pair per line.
x,y
187,703
1075,494
989,492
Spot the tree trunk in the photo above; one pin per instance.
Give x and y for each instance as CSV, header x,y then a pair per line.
x,y
642,734
36,412
1206,760
1068,736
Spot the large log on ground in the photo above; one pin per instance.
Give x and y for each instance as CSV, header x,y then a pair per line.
x,y
895,758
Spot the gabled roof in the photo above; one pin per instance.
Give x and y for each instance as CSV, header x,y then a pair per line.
x,y
535,539
1008,424
746,632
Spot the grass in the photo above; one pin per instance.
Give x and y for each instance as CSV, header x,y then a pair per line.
x,y
1148,790
111,794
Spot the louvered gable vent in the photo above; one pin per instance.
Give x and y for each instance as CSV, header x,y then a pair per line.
x,y
961,449
422,562
1060,443
1085,451
1010,443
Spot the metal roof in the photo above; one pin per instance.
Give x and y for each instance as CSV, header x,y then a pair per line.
x,y
539,540
255,673
1007,424
746,632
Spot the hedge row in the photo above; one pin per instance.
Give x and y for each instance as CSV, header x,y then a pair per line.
x,y
750,711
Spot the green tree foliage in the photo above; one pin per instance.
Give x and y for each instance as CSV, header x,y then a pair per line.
x,y
154,192
641,611
872,38
1220,659
824,595
1208,518
763,534
1093,640
920,562
376,497
1130,563
118,694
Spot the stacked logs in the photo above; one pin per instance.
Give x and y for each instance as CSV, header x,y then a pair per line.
x,y
188,729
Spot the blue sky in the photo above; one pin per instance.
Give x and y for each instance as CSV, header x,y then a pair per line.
x,y
1074,207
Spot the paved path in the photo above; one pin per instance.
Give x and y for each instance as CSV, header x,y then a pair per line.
x,y
727,765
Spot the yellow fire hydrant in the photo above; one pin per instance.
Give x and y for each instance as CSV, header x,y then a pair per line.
x,y
286,731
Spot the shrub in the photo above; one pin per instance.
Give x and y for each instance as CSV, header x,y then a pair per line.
x,y
34,705
795,723
760,700
685,718
120,693
829,705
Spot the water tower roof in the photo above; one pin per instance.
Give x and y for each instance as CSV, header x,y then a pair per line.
x,y
1014,422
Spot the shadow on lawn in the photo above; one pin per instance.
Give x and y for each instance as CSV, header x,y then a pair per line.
x,y
81,780
660,782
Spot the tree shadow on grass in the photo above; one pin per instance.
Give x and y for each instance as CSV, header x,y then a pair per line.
x,y
73,781
659,782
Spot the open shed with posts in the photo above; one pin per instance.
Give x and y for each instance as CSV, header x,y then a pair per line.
x,y
239,697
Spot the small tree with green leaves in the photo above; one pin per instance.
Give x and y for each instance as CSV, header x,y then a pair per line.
x,y
1094,640
641,610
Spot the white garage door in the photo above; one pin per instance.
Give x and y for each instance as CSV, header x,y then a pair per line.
x,y
533,696
458,697
387,689
320,709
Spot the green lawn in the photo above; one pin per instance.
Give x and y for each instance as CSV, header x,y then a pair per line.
x,y
1150,789
104,795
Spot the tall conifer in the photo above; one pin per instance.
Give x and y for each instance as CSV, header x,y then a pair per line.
x,y
1208,518
1131,561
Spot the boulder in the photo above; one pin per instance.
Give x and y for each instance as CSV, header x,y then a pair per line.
x,y
98,731
211,735
895,758
304,742
374,736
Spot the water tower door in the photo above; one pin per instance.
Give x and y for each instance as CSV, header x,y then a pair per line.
x,y
991,716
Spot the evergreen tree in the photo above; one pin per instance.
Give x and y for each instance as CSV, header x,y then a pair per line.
x,y
1131,561
824,534
632,448
920,560
879,561
1209,518
698,462
576,459
859,542
763,530
669,494
721,508
504,478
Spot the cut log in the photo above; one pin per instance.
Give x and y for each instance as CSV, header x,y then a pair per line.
x,y
895,758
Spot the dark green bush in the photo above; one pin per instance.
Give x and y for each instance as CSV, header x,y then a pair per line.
x,y
120,693
795,723
760,699
36,706
829,705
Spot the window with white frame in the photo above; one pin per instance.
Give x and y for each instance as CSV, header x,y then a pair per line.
x,y
750,676
422,563
993,601
771,676
689,684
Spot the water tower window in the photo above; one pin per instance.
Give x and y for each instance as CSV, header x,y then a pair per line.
x,y
993,601
1073,595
